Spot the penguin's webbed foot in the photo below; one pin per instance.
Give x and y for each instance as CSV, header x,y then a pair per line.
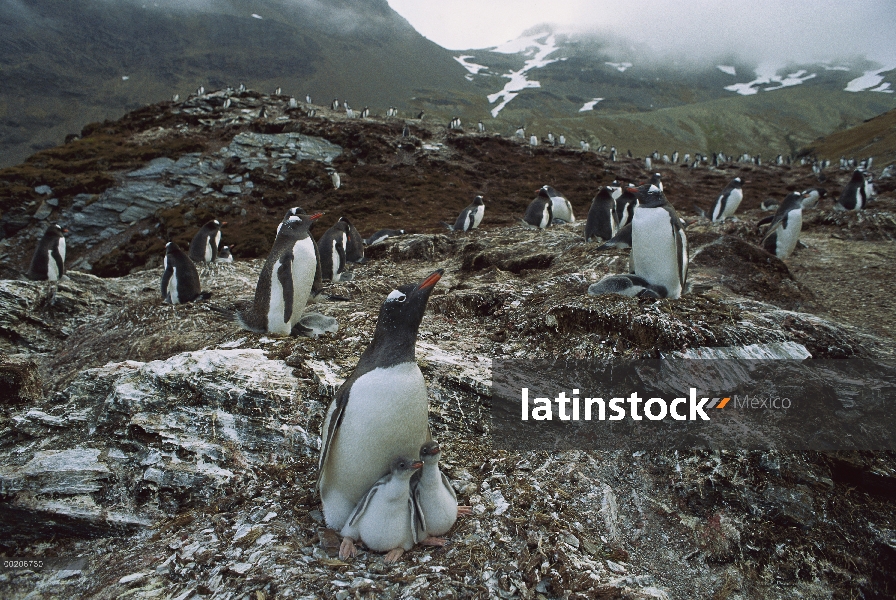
x,y
393,555
464,510
433,541
347,548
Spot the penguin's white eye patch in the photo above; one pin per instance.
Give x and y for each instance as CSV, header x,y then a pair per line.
x,y
295,220
396,296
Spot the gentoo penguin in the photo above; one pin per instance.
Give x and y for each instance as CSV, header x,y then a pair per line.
x,y
657,180
622,239
354,245
813,196
648,163
626,285
659,246
854,196
365,112
675,157
204,247
335,180
435,498
561,209
335,104
625,206
383,234
520,132
601,221
293,103
481,127
539,214
728,201
562,140
287,279
784,231
180,279
224,255
332,245
381,410
307,98
387,517
277,91
48,262
420,115
176,98
533,140
470,217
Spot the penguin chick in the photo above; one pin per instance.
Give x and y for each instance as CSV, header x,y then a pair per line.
x,y
180,279
386,517
204,247
48,262
225,255
470,217
435,498
381,409
626,285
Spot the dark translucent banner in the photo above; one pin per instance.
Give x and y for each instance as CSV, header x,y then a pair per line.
x,y
824,405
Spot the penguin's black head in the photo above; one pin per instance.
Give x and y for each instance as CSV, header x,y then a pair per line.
x,y
400,316
214,225
544,194
55,230
737,182
298,223
404,467
478,201
653,198
605,193
172,248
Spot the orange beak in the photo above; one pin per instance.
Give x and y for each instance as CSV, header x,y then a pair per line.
x,y
431,280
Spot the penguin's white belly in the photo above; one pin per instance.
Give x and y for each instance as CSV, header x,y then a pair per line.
x,y
654,252
387,415
208,250
562,209
304,266
337,264
386,523
52,268
478,213
545,218
438,505
62,249
731,204
788,238
172,287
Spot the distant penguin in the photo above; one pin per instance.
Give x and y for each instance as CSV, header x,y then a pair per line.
x,y
387,518
380,411
354,247
550,138
539,214
180,279
561,209
648,163
659,245
293,103
520,132
601,221
657,180
728,201
205,244
332,247
612,154
200,91
287,279
470,217
335,104
262,114
307,98
277,92
365,113
675,157
335,180
48,262
784,231
854,196
226,104
242,87
533,140
405,131
311,112
383,234
176,98
627,285
481,127
224,255
420,115
562,140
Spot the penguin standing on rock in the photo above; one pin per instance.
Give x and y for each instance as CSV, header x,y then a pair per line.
x,y
784,231
332,247
289,276
855,195
601,221
204,247
470,217
180,279
48,262
382,409
387,518
728,201
539,214
659,245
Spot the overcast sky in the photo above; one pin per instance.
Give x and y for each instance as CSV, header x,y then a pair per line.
x,y
760,30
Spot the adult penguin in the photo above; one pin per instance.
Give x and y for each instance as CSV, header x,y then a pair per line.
x,y
382,409
205,244
48,262
659,245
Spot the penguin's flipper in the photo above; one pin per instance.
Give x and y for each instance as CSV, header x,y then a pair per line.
x,y
166,277
284,276
314,324
700,212
447,226
318,284
471,220
340,251
622,239
765,221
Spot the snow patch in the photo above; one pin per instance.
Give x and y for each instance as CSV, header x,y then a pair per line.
x,y
473,68
124,77
590,105
835,68
869,80
254,16
540,50
768,75
727,69
621,66
884,87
